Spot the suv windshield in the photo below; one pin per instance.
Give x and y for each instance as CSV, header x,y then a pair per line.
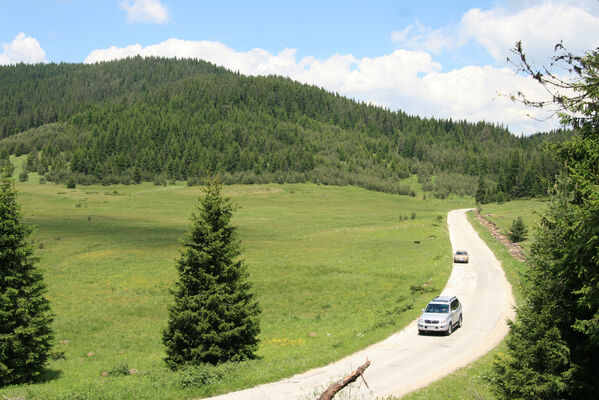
x,y
461,253
437,308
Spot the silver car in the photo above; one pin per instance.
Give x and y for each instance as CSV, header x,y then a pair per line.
x,y
442,314
461,256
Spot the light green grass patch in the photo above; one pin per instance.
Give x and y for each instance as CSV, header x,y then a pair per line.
x,y
331,267
504,214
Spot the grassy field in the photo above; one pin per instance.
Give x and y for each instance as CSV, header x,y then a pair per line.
x,y
334,269
503,214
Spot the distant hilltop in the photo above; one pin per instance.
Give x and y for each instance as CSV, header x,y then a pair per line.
x,y
156,119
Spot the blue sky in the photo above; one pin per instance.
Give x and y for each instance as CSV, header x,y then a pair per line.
x,y
430,58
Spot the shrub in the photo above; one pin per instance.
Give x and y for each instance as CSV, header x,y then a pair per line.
x,y
23,176
193,181
120,369
199,375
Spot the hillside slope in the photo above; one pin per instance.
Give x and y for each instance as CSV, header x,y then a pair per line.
x,y
163,119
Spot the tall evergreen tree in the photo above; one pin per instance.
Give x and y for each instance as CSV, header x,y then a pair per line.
x,y
481,196
25,318
215,317
553,346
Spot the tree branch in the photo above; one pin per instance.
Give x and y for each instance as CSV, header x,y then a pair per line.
x,y
336,387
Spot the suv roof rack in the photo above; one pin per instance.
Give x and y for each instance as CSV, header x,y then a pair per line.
x,y
444,299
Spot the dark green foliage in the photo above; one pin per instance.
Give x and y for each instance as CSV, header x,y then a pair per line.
x,y
204,374
138,119
25,319
553,347
23,176
120,369
481,196
517,231
71,183
214,318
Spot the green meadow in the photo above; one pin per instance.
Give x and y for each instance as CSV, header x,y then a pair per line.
x,y
504,214
333,268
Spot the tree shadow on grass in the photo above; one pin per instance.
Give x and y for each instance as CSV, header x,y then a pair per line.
x,y
49,375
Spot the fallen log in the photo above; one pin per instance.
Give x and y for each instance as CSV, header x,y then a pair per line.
x,y
336,387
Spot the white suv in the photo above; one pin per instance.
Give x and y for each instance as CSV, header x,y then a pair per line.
x,y
442,314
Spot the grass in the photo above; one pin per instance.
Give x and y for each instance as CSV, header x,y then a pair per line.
x,y
334,269
503,214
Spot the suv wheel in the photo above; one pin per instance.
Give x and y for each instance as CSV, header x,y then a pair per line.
x,y
420,332
449,328
460,322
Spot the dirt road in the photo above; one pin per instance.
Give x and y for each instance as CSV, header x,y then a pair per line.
x,y
406,361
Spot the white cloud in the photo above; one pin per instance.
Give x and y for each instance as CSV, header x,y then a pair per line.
x,y
408,80
22,49
539,25
539,28
145,11
420,37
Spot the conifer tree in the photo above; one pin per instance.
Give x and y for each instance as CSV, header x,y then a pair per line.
x,y
481,191
214,317
517,231
553,345
25,318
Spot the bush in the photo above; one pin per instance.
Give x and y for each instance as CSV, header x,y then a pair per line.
x,y
110,180
120,369
199,375
193,181
160,180
71,183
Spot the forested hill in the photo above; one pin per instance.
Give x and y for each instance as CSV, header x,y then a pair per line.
x,y
165,119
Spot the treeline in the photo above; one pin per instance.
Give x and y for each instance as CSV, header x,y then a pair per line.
x,y
160,120
34,95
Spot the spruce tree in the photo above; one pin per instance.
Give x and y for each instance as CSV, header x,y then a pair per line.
x,y
481,196
517,231
25,318
214,317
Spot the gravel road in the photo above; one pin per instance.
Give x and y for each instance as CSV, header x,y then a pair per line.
x,y
406,361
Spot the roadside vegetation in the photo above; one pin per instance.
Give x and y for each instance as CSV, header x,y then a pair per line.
x,y
504,214
552,348
553,345
475,381
333,269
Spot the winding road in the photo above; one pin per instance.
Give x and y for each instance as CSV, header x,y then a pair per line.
x,y
406,361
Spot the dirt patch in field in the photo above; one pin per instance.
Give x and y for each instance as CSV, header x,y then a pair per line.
x,y
237,190
514,248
